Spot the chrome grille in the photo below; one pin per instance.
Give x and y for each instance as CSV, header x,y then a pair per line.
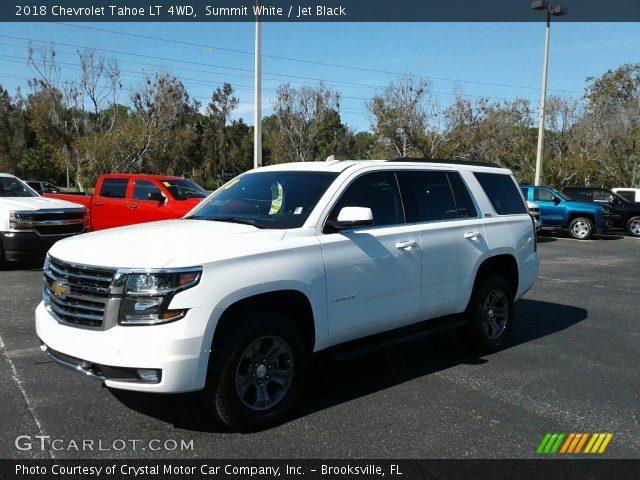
x,y
50,222
77,294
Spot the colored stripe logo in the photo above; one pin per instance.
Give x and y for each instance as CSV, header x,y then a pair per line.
x,y
573,443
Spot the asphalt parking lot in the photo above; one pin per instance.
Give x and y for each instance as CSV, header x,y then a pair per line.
x,y
572,366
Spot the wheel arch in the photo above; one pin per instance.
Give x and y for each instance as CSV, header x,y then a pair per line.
x,y
574,215
292,304
504,265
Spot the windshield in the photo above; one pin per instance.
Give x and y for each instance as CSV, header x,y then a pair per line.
x,y
12,187
184,189
266,199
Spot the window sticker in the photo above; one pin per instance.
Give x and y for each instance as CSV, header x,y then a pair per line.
x,y
277,194
297,211
166,184
231,183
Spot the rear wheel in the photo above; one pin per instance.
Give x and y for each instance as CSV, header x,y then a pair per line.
x,y
257,372
581,228
633,226
490,314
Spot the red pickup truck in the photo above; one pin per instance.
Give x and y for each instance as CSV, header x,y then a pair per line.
x,y
124,199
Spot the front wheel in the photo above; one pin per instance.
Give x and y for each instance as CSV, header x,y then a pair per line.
x,y
581,228
3,260
633,226
490,314
257,371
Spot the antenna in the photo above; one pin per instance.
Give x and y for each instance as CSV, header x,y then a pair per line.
x,y
330,158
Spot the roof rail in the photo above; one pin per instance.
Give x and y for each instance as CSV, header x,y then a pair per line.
x,y
451,162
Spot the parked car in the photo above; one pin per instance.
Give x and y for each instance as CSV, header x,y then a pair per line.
x,y
30,224
631,194
43,187
127,199
534,211
624,214
559,212
284,261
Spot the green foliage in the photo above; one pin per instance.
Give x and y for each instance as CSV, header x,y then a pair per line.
x,y
591,141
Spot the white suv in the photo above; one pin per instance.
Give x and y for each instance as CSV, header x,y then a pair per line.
x,y
284,261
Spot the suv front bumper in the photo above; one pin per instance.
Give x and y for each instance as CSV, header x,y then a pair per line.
x,y
176,350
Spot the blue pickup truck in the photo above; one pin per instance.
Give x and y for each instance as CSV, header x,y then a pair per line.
x,y
558,211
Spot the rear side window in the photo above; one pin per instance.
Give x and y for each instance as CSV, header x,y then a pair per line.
x,y
143,188
432,196
629,195
502,192
465,205
114,187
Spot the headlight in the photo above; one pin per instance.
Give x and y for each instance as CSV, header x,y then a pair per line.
x,y
20,220
147,296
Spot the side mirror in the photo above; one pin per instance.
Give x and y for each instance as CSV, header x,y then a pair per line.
x,y
351,217
614,200
156,197
557,200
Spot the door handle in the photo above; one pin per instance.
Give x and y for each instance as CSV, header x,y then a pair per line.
x,y
407,245
98,204
472,235
133,206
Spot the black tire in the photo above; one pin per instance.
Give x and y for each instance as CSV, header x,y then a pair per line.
x,y
581,228
492,299
633,226
3,260
254,335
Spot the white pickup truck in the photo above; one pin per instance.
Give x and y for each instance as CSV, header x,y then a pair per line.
x,y
284,261
30,224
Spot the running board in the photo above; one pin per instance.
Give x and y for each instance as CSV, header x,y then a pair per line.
x,y
380,341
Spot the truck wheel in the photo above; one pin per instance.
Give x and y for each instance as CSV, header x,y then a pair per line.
x,y
581,228
257,372
633,226
490,314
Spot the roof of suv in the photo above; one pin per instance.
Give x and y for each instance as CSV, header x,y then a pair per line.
x,y
342,165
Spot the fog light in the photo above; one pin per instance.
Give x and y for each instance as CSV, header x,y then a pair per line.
x,y
148,375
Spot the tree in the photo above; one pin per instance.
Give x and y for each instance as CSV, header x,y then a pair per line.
x,y
300,113
400,115
220,108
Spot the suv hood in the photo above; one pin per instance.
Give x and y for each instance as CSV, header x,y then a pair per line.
x,y
35,203
165,244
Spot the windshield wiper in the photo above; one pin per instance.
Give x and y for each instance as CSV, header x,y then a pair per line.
x,y
242,221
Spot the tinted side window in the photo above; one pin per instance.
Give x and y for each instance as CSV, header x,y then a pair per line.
x,y
114,187
542,195
525,192
601,196
377,191
427,196
578,194
465,205
143,188
628,195
502,192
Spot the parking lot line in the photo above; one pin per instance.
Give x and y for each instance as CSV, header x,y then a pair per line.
x,y
25,396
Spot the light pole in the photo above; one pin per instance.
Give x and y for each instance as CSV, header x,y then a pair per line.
x,y
556,11
257,106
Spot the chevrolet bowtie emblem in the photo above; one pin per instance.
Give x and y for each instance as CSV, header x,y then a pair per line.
x,y
59,289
